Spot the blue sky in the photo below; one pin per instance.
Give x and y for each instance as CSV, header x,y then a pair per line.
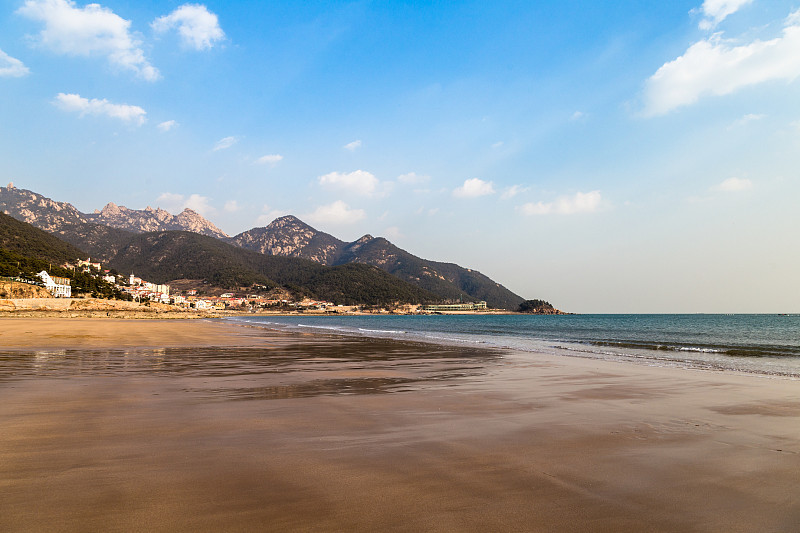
x,y
625,158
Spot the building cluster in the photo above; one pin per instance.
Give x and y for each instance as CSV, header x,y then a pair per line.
x,y
145,290
470,306
142,290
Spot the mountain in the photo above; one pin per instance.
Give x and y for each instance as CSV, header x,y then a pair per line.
x,y
168,255
36,210
165,256
149,219
23,239
289,236
52,216
24,252
447,280
98,241
105,233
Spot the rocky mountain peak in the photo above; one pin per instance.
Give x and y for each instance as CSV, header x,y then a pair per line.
x,y
38,210
111,209
150,219
288,221
290,236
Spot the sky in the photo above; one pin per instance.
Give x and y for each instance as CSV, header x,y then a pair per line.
x,y
625,157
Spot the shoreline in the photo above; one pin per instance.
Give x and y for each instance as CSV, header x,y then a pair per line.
x,y
206,424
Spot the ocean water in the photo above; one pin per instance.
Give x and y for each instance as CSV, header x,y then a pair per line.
x,y
762,344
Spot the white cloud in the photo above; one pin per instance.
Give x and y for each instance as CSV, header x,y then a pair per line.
x,y
197,26
199,204
474,188
231,206
353,146
746,119
715,11
11,67
177,202
84,106
512,191
336,213
89,31
168,125
412,178
225,143
565,205
577,115
170,201
498,144
356,182
733,185
716,66
272,159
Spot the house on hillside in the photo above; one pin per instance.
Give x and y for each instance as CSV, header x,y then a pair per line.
x,y
88,263
58,287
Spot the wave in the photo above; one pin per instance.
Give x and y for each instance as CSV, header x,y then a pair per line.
x,y
389,331
728,350
751,344
330,328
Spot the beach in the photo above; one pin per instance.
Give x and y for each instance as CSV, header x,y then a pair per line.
x,y
185,425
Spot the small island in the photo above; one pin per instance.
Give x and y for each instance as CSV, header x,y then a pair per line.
x,y
538,307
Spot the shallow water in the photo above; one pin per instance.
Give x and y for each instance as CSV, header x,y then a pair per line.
x,y
762,344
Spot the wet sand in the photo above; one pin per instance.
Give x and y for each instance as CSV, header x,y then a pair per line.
x,y
196,425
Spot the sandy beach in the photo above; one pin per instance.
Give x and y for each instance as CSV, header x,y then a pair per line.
x,y
179,425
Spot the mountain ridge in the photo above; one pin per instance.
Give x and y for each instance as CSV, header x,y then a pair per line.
x,y
50,215
290,236
105,232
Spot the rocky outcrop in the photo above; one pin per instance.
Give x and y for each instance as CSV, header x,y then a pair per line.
x,y
53,216
37,210
149,219
15,289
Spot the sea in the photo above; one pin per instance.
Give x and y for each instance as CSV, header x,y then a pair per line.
x,y
760,343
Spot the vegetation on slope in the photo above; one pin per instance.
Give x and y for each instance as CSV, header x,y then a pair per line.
x,y
165,256
25,251
446,280
24,239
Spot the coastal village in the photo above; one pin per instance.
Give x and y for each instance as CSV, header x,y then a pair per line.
x,y
145,292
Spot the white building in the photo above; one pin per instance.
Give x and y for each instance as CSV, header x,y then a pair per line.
x,y
58,287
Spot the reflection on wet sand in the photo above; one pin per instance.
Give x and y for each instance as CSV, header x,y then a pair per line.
x,y
291,370
373,435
